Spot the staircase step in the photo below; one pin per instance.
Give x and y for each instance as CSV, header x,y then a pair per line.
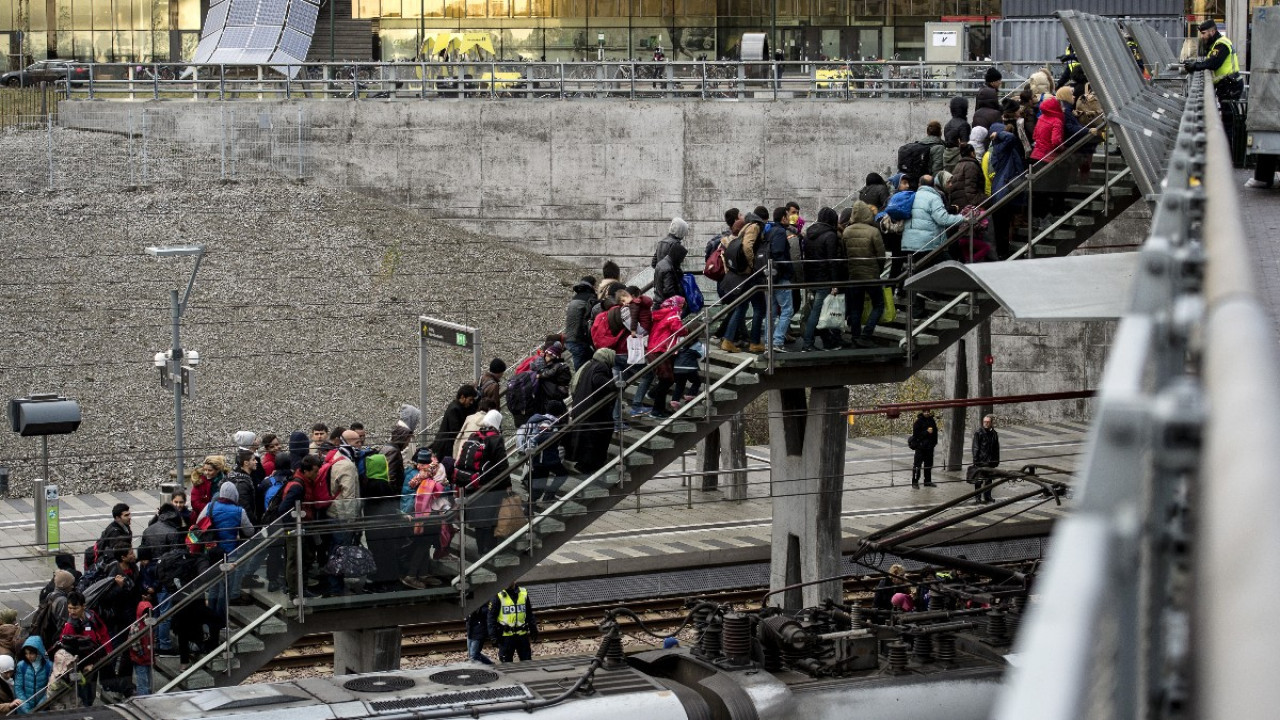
x,y
681,427
219,664
657,442
638,459
168,668
248,644
483,576
571,508
723,394
884,332
243,615
506,560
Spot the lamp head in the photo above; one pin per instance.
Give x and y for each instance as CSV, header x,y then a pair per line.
x,y
160,359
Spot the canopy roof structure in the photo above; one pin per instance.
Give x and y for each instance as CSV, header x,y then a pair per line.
x,y
1086,287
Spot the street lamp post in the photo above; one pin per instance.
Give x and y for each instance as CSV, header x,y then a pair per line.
x,y
172,371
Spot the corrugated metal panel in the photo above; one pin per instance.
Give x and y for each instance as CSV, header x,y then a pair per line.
x,y
1037,39
1144,120
1110,8
1159,45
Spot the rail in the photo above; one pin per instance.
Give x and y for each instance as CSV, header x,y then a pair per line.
x,y
189,593
705,80
1176,501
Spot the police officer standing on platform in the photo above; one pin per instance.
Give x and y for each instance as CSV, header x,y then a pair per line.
x,y
1223,61
511,623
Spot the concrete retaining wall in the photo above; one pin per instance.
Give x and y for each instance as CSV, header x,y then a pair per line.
x,y
580,180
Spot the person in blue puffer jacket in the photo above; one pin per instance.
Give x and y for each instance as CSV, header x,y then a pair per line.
x,y
924,231
32,675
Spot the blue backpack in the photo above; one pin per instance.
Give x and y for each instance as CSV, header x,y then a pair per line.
x,y
899,206
693,301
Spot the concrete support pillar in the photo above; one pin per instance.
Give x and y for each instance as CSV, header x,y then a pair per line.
x,y
807,450
958,388
733,454
366,651
726,448
986,386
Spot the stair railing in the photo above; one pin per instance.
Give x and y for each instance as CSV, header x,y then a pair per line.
x,y
220,573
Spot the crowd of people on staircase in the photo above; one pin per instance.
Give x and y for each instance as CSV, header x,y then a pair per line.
x,y
385,514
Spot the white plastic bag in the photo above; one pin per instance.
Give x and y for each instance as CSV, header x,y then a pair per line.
x,y
635,350
832,313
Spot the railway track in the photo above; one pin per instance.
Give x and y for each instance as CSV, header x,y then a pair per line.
x,y
557,624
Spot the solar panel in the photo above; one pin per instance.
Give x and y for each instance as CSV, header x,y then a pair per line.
x,y
258,32
217,18
302,17
263,38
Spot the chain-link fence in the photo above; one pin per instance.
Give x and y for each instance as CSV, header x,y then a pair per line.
x,y
140,147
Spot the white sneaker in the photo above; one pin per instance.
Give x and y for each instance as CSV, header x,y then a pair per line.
x,y
1256,183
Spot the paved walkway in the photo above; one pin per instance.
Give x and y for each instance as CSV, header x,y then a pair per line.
x,y
675,527
1260,212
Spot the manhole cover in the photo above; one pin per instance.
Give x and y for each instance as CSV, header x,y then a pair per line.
x,y
463,677
379,684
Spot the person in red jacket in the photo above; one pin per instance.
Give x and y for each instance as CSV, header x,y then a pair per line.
x,y
85,636
141,652
668,330
1049,193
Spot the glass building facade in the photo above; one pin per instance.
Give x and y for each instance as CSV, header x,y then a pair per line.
x,y
100,30
554,30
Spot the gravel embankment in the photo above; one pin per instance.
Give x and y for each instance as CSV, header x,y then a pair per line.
x,y
304,308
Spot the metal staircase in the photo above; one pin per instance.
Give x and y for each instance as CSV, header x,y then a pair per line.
x,y
258,633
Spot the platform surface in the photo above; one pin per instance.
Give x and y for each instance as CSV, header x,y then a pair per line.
x,y
675,527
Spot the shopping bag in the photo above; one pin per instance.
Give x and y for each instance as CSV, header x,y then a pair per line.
x,y
510,516
890,310
635,350
832,313
351,561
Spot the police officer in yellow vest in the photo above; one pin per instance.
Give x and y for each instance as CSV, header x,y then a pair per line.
x,y
511,623
1223,61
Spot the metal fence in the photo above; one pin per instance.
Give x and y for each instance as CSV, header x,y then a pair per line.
x,y
19,105
508,80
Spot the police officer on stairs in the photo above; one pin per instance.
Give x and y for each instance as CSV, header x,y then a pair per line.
x,y
1223,61
511,623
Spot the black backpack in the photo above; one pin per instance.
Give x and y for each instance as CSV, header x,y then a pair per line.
x,y
175,565
45,623
521,391
472,462
913,159
735,257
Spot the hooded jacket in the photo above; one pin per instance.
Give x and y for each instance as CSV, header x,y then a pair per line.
x,y
929,217
116,536
577,314
876,192
668,276
30,680
968,186
1050,130
166,533
825,250
956,130
675,236
987,107
776,235
229,519
936,150
667,326
864,246
1004,161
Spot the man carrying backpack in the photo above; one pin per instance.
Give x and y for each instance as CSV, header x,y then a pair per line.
x,y
777,234
577,320
490,383
229,523
344,484
291,493
483,458
924,156
545,462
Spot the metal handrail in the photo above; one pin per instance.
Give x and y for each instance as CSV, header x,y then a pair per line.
x,y
617,461
226,644
261,540
836,80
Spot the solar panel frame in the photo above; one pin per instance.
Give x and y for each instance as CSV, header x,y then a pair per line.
x,y
258,32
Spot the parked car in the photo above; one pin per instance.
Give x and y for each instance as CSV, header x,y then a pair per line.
x,y
46,71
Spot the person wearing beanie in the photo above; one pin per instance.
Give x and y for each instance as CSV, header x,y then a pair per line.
x,y
978,139
986,108
10,632
63,581
8,698
668,274
955,132
554,376
578,314
676,232
299,446
490,384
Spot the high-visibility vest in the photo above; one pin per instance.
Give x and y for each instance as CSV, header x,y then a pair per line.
x,y
1072,65
1231,65
511,616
